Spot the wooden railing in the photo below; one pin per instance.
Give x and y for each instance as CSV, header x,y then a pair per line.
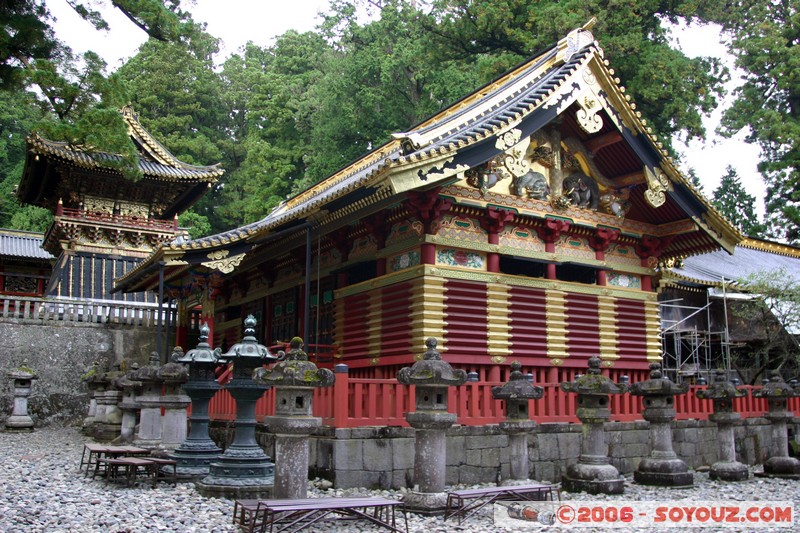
x,y
355,402
127,221
91,311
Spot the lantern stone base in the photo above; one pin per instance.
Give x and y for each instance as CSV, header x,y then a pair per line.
x,y
783,467
239,473
593,479
729,471
238,489
663,473
195,462
105,432
425,503
19,424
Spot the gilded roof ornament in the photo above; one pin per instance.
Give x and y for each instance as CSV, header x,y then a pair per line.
x,y
575,41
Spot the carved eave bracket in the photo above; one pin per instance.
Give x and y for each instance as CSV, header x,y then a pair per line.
x,y
657,186
603,238
653,246
552,229
496,219
428,207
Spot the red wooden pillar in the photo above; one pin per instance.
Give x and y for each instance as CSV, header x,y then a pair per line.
x,y
428,253
647,281
649,250
376,224
212,285
429,208
182,324
341,396
494,223
551,273
550,232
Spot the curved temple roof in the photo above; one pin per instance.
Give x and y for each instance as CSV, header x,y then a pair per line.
x,y
750,257
154,159
475,129
23,244
41,178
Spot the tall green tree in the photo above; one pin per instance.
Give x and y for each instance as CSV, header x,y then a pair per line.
x,y
80,99
269,92
765,40
29,35
383,76
768,319
18,114
672,90
180,99
733,201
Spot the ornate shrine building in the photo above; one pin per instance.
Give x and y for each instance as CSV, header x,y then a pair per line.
x,y
704,325
105,223
24,266
527,221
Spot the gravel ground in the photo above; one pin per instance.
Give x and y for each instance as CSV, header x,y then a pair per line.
x,y
41,490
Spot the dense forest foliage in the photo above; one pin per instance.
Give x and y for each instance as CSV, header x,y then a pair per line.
x,y
281,118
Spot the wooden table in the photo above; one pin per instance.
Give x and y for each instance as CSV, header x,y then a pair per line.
x,y
93,450
294,515
133,468
465,503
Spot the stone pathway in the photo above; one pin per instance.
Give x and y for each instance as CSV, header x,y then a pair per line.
x,y
41,490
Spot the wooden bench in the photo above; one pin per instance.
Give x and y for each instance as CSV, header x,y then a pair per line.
x,y
295,515
92,451
465,503
164,469
132,467
243,513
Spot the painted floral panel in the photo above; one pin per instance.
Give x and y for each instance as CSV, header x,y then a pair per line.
x,y
460,258
624,280
404,260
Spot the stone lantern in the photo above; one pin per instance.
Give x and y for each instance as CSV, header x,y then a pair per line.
x,y
22,378
244,470
663,467
593,473
517,393
294,379
722,392
195,454
149,400
777,392
129,406
108,416
173,404
93,384
431,376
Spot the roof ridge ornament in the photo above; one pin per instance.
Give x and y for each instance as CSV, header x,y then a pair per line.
x,y
657,186
575,41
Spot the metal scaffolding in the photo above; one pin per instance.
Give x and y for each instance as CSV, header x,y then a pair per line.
x,y
691,352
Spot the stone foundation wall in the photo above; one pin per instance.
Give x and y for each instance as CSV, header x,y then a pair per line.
x,y
383,457
60,353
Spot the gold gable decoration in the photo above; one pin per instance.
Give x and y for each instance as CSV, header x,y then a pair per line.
x,y
220,260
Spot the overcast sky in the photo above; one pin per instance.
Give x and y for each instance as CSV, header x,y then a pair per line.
x,y
236,22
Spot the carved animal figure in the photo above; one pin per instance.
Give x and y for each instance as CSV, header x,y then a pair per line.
x,y
582,191
534,184
616,202
486,176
